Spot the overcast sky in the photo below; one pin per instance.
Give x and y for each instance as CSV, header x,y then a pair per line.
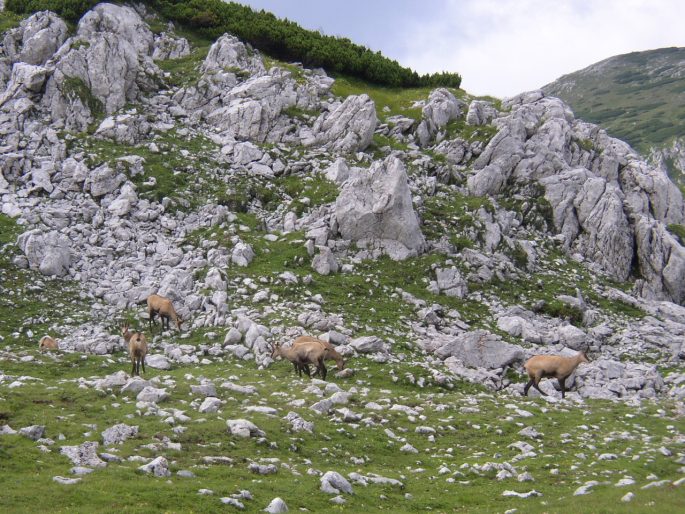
x,y
500,47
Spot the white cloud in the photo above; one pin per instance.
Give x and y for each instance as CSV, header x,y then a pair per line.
x,y
503,47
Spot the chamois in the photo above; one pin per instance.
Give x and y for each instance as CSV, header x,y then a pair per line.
x,y
160,305
137,349
47,343
331,352
551,366
308,352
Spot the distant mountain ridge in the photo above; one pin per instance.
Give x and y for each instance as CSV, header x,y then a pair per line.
x,y
638,97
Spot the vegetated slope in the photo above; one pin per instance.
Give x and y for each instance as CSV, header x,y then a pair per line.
x,y
638,97
224,180
276,37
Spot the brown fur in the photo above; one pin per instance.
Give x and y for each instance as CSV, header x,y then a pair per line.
x,y
551,366
47,343
137,349
331,352
304,354
160,305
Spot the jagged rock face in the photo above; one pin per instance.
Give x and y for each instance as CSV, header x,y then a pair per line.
x,y
228,52
598,196
441,108
103,67
375,205
48,252
661,261
36,39
166,46
480,113
349,127
120,20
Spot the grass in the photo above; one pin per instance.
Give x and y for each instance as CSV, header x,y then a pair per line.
x,y
462,438
398,101
30,303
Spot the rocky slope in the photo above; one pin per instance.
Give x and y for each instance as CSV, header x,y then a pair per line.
x,y
459,240
635,97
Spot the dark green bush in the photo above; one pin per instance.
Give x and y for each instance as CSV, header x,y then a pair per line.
x,y
287,41
70,10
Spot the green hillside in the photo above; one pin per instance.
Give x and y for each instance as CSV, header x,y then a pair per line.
x,y
638,97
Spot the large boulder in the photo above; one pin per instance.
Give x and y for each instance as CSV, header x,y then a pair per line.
x,y
48,252
441,108
375,205
229,53
166,46
120,20
349,127
106,65
481,349
36,39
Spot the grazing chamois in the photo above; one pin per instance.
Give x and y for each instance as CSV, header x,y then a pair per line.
x,y
331,352
160,305
137,349
551,366
47,343
302,356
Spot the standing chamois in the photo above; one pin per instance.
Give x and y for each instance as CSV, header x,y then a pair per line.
x,y
551,366
302,355
330,354
137,349
160,305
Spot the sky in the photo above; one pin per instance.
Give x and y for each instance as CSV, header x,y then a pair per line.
x,y
499,47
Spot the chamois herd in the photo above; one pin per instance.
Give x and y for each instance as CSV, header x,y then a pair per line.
x,y
307,350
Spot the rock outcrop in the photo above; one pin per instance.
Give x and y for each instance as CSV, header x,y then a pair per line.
x,y
375,208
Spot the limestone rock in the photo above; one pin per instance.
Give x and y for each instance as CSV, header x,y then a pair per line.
x,y
480,113
117,434
244,428
84,455
481,349
333,482
376,205
49,252
349,127
36,39
158,467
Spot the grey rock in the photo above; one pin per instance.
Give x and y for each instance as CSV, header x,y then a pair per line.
x,y
333,482
34,432
244,428
158,467
276,506
376,205
338,172
167,46
36,39
120,20
49,252
152,395
298,424
325,263
157,361
349,127
84,455
480,113
117,434
210,404
368,344
481,349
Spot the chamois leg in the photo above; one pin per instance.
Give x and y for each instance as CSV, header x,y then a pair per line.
x,y
535,385
322,368
562,383
151,316
133,366
142,362
525,389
